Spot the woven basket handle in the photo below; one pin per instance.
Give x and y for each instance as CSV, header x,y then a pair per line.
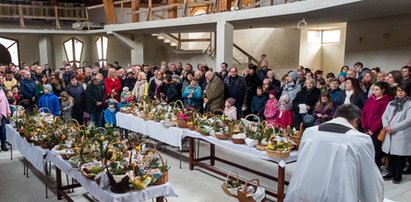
x,y
248,182
43,109
228,176
218,110
147,143
253,115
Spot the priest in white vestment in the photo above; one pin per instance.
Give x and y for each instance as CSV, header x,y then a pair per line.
x,y
336,163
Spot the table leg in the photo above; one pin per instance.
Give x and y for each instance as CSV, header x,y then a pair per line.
x,y
191,151
24,166
160,199
58,180
212,154
45,177
281,181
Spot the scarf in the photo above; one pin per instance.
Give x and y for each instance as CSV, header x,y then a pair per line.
x,y
289,86
348,96
158,82
399,103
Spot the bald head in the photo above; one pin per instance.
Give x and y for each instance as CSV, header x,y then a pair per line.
x,y
209,75
351,73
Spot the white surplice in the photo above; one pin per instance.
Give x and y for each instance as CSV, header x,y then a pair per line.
x,y
335,167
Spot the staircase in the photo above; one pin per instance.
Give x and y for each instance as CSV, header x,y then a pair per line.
x,y
173,42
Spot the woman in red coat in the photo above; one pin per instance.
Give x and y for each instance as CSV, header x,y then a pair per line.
x,y
112,85
371,117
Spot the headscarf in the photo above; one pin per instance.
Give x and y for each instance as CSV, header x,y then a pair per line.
x,y
399,103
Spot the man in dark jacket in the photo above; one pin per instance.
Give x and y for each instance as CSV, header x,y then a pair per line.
x,y
337,95
129,80
76,90
28,90
236,87
262,73
94,102
252,83
69,73
308,96
169,90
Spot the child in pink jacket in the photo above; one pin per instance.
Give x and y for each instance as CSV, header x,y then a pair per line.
x,y
271,108
230,111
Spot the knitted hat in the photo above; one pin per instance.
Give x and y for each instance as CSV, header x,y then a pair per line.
x,y
293,75
343,74
48,87
231,101
284,98
273,92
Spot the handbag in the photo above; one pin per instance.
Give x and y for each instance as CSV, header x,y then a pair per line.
x,y
383,132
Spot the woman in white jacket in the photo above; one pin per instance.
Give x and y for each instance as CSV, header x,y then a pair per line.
x,y
141,87
397,122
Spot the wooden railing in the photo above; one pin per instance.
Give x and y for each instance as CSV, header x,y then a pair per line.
x,y
250,58
45,12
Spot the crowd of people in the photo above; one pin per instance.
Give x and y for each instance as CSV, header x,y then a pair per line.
x,y
302,97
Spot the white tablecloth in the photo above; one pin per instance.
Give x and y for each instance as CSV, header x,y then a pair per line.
x,y
34,154
105,194
240,148
155,130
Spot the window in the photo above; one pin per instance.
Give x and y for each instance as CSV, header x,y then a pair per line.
x,y
73,48
13,48
324,36
102,46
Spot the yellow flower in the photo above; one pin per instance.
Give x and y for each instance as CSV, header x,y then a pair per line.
x,y
138,148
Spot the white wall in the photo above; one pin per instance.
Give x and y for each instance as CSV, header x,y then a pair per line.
x,y
281,45
327,57
382,42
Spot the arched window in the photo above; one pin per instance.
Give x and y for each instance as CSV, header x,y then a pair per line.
x,y
13,47
73,48
102,46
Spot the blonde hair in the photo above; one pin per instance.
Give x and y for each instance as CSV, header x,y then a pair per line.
x,y
143,75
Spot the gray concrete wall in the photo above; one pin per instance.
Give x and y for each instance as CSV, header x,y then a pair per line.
x,y
382,42
28,46
281,45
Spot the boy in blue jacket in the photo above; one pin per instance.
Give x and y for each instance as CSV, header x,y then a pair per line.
x,y
258,103
110,114
50,101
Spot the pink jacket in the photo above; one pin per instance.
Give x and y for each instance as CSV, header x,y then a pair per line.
x,y
371,116
270,111
4,104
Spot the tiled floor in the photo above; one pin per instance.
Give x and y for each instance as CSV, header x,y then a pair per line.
x,y
191,186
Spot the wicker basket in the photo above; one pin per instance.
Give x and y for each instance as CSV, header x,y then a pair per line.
x,y
238,141
260,147
44,145
231,191
243,195
296,140
191,127
222,136
182,123
67,156
164,178
278,154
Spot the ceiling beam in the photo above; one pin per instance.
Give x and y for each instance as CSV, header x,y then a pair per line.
x,y
110,12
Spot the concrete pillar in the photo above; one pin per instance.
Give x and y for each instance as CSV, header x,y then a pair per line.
x,y
224,44
45,50
137,54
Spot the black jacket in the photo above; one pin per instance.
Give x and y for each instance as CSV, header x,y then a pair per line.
x,y
94,94
358,100
77,92
308,97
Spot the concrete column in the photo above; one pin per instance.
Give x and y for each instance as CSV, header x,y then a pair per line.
x,y
45,50
224,46
137,54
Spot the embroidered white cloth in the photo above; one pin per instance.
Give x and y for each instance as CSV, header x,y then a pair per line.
x,y
130,122
34,154
104,194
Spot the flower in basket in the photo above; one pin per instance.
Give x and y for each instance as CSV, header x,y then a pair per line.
x,y
182,116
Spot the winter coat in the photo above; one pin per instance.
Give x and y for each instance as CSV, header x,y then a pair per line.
x,y
39,90
66,109
271,110
140,89
329,113
371,116
111,87
262,73
308,97
152,88
291,91
94,94
337,97
195,101
51,102
28,88
128,82
110,117
358,100
252,83
77,92
399,142
236,87
170,91
284,118
258,105
214,92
